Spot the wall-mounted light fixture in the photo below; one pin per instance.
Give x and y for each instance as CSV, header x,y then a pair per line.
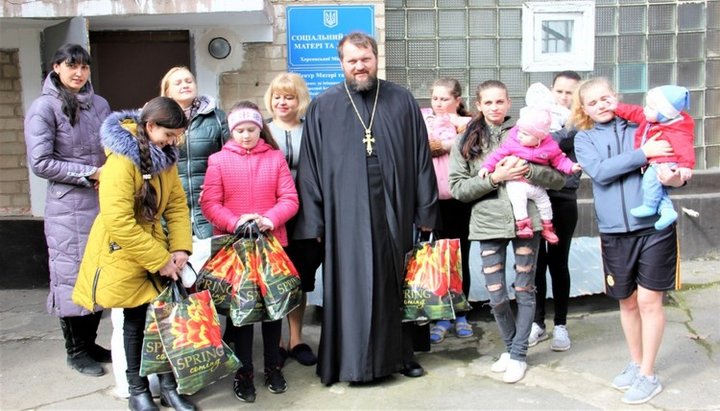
x,y
219,48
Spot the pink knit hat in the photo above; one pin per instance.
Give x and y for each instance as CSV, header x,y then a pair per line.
x,y
243,115
534,121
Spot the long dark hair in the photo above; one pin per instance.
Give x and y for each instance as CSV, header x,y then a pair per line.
x,y
164,112
265,132
477,134
455,90
72,54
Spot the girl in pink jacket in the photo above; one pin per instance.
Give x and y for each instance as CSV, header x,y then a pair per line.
x,y
529,140
249,179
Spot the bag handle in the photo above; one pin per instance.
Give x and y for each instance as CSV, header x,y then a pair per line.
x,y
248,229
178,291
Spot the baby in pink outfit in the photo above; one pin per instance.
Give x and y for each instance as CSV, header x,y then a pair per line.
x,y
531,141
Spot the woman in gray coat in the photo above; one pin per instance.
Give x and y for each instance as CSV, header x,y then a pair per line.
x,y
63,146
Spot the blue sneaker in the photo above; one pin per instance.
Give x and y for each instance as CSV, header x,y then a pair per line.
x,y
643,390
643,211
627,377
667,217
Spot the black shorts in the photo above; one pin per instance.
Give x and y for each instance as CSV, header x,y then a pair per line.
x,y
306,256
648,258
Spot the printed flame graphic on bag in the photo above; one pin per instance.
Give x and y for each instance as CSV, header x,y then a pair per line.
x,y
201,328
224,265
425,264
277,257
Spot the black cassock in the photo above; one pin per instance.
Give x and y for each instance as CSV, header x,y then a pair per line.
x,y
364,208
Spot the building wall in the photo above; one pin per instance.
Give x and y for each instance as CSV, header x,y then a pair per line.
x,y
14,183
263,61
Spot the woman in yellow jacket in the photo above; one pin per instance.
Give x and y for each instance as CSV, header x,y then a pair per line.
x,y
129,252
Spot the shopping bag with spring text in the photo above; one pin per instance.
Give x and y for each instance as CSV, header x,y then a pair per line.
x,y
192,339
279,281
459,300
153,359
218,273
426,294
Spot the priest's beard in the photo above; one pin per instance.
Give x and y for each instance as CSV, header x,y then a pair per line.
x,y
361,86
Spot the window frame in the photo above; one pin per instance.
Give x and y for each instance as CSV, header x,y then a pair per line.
x,y
582,55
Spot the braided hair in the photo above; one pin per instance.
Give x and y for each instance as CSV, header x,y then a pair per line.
x,y
69,54
455,90
477,134
164,112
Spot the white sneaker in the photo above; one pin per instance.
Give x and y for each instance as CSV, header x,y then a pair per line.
x,y
515,371
561,339
501,364
537,334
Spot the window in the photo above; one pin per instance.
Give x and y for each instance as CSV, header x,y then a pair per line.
x,y
558,36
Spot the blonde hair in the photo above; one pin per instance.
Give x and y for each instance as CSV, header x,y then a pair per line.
x,y
288,83
165,82
578,117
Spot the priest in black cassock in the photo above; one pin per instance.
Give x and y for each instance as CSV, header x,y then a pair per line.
x,y
365,179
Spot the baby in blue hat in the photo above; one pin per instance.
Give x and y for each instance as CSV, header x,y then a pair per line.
x,y
663,112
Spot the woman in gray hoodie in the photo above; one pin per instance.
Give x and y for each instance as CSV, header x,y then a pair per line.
x,y
63,146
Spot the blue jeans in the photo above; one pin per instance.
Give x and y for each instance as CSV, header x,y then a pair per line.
x,y
514,330
655,194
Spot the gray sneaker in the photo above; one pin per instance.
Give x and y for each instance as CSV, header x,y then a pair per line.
x,y
561,339
537,334
625,379
643,390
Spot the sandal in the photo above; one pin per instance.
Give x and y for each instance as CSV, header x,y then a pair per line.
x,y
438,332
463,329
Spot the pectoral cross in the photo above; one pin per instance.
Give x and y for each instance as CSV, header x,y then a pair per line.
x,y
368,140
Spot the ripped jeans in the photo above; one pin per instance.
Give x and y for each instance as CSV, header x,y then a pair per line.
x,y
514,330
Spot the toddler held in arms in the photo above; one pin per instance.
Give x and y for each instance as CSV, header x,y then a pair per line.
x,y
530,140
663,113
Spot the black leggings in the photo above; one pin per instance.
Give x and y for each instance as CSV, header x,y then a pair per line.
x,y
242,337
555,257
133,333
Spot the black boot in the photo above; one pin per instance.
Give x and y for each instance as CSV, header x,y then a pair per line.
x,y
140,398
169,396
96,352
78,357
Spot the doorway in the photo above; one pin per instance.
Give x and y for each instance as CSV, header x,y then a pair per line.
x,y
128,65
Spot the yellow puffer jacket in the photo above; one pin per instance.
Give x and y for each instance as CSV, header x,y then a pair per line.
x,y
122,251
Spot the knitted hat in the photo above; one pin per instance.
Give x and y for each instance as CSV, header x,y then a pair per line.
x,y
534,121
244,115
538,95
668,101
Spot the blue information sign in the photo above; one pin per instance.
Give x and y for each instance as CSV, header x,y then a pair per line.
x,y
313,33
